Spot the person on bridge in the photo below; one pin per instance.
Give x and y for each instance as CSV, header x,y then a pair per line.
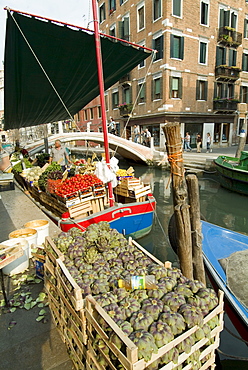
x,y
136,131
59,155
148,137
112,126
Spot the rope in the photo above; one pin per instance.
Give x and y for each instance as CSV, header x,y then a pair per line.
x,y
232,356
235,336
42,68
173,158
136,100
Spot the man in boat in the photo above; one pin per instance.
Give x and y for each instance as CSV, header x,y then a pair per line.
x,y
59,154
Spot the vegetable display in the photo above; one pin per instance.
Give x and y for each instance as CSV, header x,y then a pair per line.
x,y
76,183
99,257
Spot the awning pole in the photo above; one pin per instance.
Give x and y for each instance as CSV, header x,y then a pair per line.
x,y
102,98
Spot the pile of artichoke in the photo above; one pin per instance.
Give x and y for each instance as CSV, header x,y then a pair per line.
x,y
151,318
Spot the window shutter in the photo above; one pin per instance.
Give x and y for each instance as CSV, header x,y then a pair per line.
x,y
246,96
245,27
161,87
162,46
170,87
171,45
121,29
240,95
180,92
221,18
218,56
197,90
152,89
233,20
215,90
226,17
243,62
177,7
234,58
224,56
126,28
144,91
181,51
230,61
206,90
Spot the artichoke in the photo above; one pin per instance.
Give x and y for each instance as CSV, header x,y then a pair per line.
x,y
145,343
141,320
153,307
129,306
161,333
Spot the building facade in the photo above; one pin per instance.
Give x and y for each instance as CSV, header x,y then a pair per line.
x,y
199,74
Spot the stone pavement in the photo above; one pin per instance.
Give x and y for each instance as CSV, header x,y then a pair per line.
x,y
29,345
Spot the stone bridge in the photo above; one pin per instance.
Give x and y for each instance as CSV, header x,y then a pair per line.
x,y
126,148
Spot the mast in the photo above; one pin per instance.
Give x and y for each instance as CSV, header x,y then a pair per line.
x,y
102,99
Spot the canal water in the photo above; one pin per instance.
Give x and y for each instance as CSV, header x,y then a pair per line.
x,y
218,206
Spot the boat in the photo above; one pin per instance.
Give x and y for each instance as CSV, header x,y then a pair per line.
x,y
218,244
38,50
233,172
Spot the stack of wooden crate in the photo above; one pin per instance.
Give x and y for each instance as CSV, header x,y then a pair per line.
x,y
133,188
77,319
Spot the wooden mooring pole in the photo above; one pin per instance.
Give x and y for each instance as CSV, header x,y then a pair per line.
x,y
181,207
195,220
186,208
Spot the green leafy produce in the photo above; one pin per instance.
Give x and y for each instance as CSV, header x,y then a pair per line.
x,y
18,167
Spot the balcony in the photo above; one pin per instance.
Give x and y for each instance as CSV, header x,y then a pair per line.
x,y
125,79
227,73
225,105
125,109
229,36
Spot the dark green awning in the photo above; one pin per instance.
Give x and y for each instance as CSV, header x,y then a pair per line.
x,y
68,57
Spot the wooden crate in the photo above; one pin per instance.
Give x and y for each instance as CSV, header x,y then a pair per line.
x,y
120,190
129,357
82,209
139,191
130,182
76,319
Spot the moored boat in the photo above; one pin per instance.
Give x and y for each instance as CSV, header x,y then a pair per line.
x,y
233,172
218,245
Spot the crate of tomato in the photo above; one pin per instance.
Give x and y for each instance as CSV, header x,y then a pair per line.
x,y
78,184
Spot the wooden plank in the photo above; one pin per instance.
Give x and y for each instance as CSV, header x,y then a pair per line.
x,y
131,241
50,246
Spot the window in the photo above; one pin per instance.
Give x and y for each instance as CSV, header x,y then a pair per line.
x,y
127,94
157,9
106,101
157,88
142,64
112,30
223,90
112,6
158,44
176,47
102,12
99,109
246,27
91,113
244,94
124,28
141,17
201,90
204,12
86,115
175,87
202,52
232,57
245,62
141,91
177,8
227,18
115,99
220,56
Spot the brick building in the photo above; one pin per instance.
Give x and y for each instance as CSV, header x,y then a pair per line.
x,y
199,75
